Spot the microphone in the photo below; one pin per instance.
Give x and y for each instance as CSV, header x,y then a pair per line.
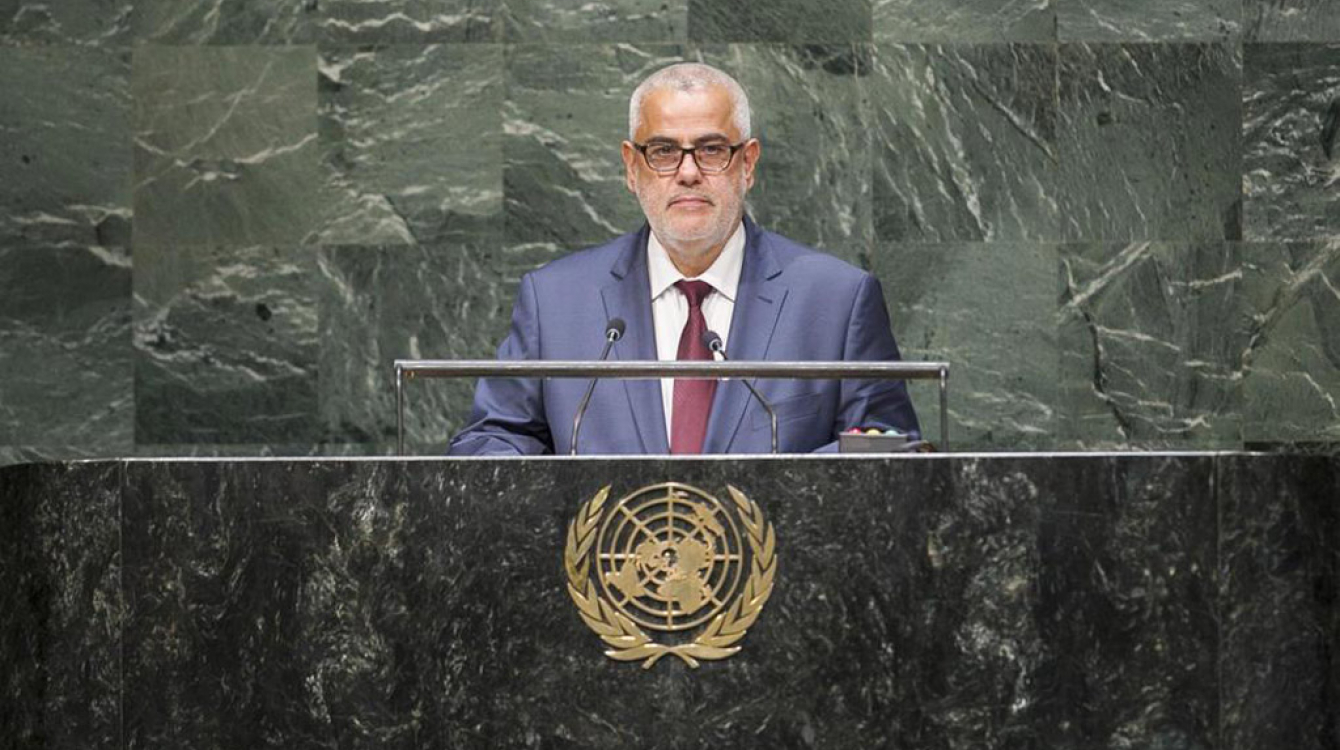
x,y
613,332
714,344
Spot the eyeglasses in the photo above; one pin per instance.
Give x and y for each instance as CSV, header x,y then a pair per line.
x,y
665,157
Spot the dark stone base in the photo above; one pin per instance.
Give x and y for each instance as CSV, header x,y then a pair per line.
x,y
1150,601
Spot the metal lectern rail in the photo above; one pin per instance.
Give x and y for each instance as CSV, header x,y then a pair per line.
x,y
408,369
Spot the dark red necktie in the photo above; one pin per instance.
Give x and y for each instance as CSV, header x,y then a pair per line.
x,y
693,398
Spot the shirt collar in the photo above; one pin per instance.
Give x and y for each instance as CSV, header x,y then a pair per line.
x,y
723,275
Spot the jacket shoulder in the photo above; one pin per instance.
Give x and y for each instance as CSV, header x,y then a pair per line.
x,y
584,266
805,265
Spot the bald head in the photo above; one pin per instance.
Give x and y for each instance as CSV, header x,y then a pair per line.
x,y
690,77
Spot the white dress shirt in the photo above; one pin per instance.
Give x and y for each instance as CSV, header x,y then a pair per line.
x,y
670,308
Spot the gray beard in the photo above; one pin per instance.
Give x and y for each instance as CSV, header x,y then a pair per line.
x,y
692,247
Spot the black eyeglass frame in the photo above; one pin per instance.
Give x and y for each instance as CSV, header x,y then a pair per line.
x,y
642,148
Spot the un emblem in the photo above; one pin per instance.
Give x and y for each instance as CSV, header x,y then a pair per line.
x,y
670,558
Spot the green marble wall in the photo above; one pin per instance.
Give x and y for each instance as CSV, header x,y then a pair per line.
x,y
221,221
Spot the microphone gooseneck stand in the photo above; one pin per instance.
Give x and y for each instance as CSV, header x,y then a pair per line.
x,y
715,345
613,332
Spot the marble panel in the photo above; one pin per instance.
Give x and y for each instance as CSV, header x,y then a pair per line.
x,y
1151,350
225,345
65,134
61,607
1280,611
966,142
1290,21
624,21
225,145
567,113
1148,20
261,450
809,107
68,22
202,549
379,304
565,116
226,21
32,454
791,21
1149,142
1291,378
12,455
1291,141
65,348
1125,603
961,603
410,21
990,311
965,21
411,143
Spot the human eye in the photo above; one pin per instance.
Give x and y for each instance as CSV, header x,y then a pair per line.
x,y
662,150
713,149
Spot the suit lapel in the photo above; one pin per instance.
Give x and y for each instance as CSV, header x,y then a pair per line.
x,y
628,296
758,303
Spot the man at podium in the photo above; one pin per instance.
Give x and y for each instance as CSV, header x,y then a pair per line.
x,y
698,267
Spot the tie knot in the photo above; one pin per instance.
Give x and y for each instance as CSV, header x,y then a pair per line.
x,y
696,291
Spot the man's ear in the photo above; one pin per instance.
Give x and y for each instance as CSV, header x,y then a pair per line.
x,y
629,166
751,152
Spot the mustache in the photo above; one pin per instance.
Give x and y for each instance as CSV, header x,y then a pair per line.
x,y
697,196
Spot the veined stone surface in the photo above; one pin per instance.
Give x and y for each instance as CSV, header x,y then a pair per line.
x,y
486,132
1291,20
632,21
1148,20
226,21
1291,384
60,558
793,21
31,454
66,22
262,450
990,311
965,21
379,304
1291,133
411,144
409,21
811,114
225,145
1154,601
1279,552
1149,142
1149,353
65,159
966,143
225,345
565,115
65,357
567,112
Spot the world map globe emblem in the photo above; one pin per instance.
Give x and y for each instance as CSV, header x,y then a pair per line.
x,y
669,557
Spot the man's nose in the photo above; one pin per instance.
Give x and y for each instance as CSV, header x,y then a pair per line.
x,y
688,173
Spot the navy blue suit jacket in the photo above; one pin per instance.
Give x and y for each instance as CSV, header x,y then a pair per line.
x,y
793,303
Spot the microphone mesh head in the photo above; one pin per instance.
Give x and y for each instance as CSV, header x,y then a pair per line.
x,y
614,329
